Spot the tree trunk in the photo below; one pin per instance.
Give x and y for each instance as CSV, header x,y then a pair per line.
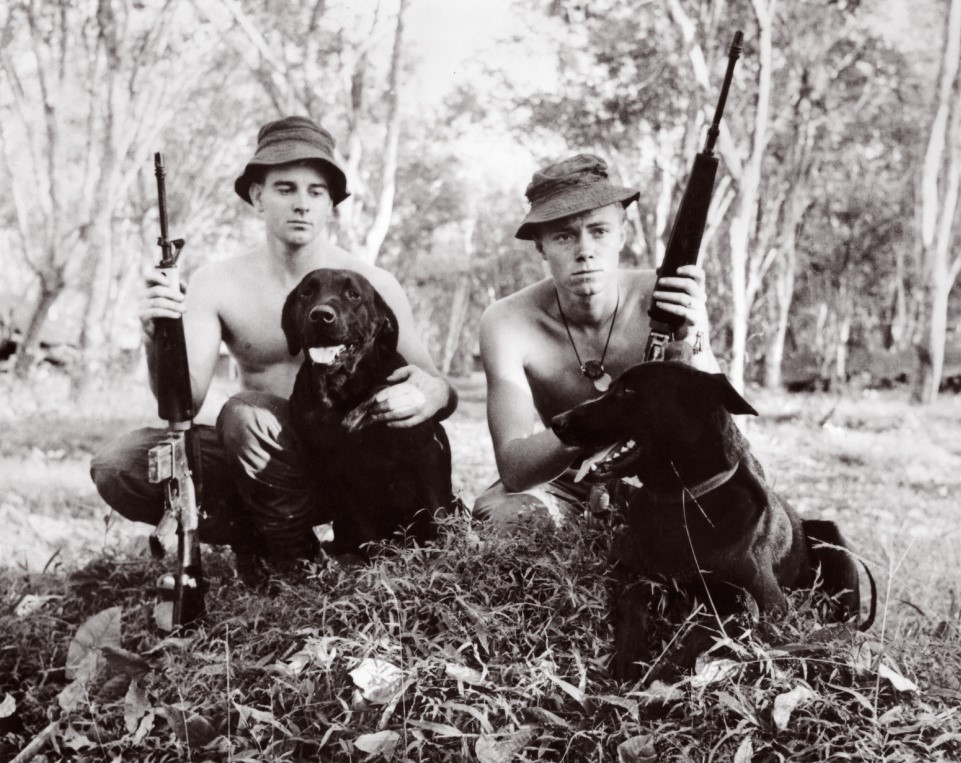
x,y
784,293
385,206
458,318
93,335
932,355
940,181
31,337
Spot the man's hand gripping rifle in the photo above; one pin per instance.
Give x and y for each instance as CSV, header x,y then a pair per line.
x,y
684,244
176,462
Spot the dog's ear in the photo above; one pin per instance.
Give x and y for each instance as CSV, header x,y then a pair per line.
x,y
387,329
729,397
289,323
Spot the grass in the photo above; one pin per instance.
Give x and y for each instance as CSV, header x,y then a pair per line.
x,y
499,646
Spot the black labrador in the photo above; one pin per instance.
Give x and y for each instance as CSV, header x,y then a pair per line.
x,y
373,481
704,516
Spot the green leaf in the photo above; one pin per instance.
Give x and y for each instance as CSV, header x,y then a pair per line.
x,y
381,743
103,629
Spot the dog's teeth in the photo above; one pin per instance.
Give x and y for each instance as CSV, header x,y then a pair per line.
x,y
629,444
593,467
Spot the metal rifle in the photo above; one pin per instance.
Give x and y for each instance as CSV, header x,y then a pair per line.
x,y
684,244
176,461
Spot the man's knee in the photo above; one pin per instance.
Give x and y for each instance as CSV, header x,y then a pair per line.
x,y
119,472
504,511
251,426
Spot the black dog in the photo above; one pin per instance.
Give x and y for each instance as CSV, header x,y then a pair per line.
x,y
374,480
705,515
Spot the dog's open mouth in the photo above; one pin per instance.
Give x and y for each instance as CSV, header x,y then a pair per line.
x,y
613,461
327,356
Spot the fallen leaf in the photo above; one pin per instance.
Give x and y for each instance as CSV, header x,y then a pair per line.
x,y
113,688
189,728
248,714
898,681
171,642
378,680
31,603
745,751
8,706
135,705
491,749
121,661
75,740
659,693
145,727
103,629
381,743
785,704
713,672
639,749
441,729
71,695
464,673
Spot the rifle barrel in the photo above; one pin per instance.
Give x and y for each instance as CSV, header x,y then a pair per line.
x,y
160,172
733,55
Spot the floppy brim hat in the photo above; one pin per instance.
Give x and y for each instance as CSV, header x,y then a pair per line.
x,y
291,140
570,187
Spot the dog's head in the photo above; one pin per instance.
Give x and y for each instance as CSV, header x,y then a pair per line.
x,y
654,410
336,317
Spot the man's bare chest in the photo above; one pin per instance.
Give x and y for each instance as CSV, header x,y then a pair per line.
x,y
251,327
554,372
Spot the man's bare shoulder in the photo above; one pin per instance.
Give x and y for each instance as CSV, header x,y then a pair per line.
x,y
521,306
225,272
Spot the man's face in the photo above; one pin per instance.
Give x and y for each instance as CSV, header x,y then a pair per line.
x,y
295,203
582,251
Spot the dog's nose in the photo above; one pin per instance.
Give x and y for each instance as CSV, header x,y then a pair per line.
x,y
323,313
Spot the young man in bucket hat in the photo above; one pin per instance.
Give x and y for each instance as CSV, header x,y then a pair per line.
x,y
255,487
559,342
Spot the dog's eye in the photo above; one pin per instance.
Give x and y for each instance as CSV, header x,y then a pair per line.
x,y
353,294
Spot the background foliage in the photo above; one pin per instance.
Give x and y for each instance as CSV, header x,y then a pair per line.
x,y
834,233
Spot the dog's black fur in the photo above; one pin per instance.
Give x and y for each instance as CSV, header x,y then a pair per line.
x,y
739,536
374,480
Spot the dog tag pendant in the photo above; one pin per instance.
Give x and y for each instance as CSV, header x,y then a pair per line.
x,y
594,370
602,382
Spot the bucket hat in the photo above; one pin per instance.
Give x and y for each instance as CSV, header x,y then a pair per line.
x,y
570,187
294,139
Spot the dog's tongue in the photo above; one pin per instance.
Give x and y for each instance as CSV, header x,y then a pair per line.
x,y
588,462
324,356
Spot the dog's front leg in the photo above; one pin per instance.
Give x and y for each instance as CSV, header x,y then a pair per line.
x,y
632,626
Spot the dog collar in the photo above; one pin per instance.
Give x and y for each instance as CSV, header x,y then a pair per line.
x,y
702,488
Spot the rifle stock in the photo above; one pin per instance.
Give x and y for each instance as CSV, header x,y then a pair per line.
x,y
684,243
175,462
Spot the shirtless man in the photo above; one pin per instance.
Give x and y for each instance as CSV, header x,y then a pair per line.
x,y
540,345
255,481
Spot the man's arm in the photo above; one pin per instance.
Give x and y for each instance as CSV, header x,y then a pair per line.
x,y
418,391
202,330
524,459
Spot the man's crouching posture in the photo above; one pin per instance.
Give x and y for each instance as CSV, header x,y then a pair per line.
x,y
558,342
256,491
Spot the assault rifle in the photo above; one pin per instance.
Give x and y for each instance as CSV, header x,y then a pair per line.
x,y
176,461
684,244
